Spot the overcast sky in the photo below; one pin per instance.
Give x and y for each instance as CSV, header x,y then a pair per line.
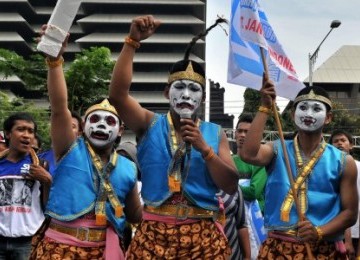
x,y
300,27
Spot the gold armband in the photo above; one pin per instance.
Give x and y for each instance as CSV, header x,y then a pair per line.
x,y
54,63
132,42
209,155
265,110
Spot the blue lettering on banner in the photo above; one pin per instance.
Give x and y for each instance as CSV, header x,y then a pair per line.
x,y
249,4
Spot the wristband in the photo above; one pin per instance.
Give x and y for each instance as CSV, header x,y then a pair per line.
x,y
132,42
209,155
319,232
265,110
54,63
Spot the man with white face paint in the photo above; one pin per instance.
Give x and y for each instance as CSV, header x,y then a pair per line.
x,y
94,189
324,181
183,160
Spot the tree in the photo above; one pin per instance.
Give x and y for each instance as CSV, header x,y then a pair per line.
x,y
88,77
251,106
32,71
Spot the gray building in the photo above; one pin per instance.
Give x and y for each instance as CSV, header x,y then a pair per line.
x,y
106,23
340,76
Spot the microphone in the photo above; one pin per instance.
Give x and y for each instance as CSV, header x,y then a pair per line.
x,y
186,115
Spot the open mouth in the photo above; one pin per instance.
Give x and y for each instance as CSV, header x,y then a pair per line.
x,y
184,106
25,143
99,135
308,121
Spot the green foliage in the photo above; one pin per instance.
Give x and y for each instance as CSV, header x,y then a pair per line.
x,y
343,119
251,106
88,77
41,116
252,101
32,72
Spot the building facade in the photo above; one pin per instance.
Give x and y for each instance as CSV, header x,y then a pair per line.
x,y
106,23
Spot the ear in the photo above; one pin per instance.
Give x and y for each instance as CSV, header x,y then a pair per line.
x,y
204,96
166,92
292,114
121,129
328,119
83,126
351,146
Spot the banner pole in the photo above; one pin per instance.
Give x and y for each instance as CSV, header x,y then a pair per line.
x,y
287,162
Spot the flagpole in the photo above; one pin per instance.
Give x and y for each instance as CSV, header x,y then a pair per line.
x,y
287,161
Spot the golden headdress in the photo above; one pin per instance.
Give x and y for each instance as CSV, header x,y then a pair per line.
x,y
104,105
312,96
189,74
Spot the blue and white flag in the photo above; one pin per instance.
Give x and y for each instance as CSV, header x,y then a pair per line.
x,y
250,30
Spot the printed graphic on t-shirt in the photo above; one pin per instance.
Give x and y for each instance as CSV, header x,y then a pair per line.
x,y
16,192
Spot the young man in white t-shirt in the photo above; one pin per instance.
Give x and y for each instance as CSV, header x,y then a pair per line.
x,y
24,186
344,141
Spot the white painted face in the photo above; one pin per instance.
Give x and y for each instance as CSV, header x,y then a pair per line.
x,y
101,128
310,115
185,96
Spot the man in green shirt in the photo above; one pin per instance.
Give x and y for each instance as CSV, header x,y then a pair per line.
x,y
252,184
256,175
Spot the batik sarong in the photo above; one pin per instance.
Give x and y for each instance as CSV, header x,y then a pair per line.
x,y
274,248
198,240
49,249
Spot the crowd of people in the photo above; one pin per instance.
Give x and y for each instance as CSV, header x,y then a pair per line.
x,y
179,193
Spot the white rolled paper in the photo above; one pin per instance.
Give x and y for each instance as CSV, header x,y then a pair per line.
x,y
58,26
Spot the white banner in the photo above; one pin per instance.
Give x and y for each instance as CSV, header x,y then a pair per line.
x,y
250,30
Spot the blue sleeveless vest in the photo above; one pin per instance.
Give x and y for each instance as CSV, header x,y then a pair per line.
x,y
323,184
154,155
75,186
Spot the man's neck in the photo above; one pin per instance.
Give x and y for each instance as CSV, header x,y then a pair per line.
x,y
175,120
15,156
309,142
238,150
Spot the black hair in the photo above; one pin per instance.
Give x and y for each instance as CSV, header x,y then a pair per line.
x,y
10,122
183,64
78,118
247,118
39,140
341,132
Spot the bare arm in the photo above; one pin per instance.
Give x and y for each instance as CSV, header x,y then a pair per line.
x,y
221,166
133,209
39,173
358,245
61,129
350,251
349,201
349,207
253,151
244,243
134,116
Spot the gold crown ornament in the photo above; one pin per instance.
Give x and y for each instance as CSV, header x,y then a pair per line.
x,y
104,105
189,74
312,96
